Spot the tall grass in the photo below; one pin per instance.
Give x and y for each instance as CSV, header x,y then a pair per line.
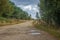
x,y
50,29
5,21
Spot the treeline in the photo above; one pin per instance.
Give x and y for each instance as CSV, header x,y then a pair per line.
x,y
9,10
50,12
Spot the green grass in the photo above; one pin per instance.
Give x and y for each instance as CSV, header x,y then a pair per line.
x,y
50,30
4,21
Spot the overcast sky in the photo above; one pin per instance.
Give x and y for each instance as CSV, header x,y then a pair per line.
x,y
30,6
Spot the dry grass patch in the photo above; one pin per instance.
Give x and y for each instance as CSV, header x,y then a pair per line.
x,y
53,31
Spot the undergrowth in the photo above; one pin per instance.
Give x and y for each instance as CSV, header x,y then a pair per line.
x,y
4,21
50,29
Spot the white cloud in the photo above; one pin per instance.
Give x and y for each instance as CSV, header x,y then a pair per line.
x,y
31,9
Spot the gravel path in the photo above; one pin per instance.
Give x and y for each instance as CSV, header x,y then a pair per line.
x,y
23,31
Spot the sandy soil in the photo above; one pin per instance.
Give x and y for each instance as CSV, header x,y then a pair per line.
x,y
23,31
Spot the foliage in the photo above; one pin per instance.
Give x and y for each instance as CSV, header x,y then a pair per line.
x,y
50,11
9,10
37,15
50,30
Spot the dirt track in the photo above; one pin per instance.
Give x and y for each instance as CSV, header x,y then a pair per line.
x,y
23,31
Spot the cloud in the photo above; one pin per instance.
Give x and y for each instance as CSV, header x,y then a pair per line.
x,y
31,9
19,2
29,6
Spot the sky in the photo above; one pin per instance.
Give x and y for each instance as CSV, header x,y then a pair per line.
x,y
30,6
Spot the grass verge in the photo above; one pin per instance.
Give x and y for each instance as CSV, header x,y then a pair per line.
x,y
50,30
4,22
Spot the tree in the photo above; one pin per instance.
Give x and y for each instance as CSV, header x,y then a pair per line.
x,y
9,10
50,11
37,15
